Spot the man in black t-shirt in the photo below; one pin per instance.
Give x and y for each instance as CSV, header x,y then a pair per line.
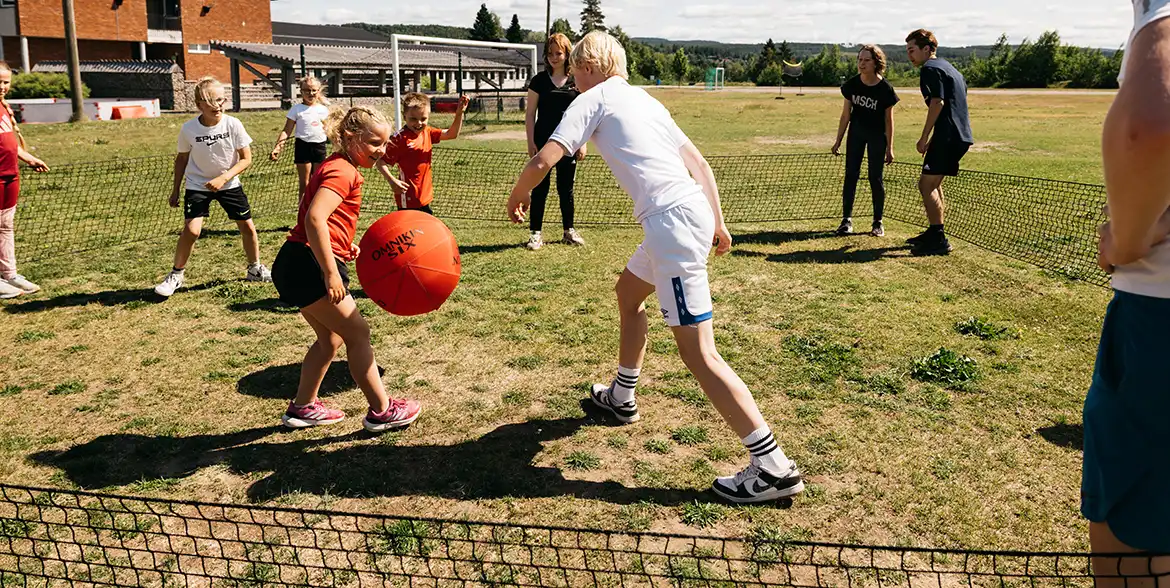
x,y
945,92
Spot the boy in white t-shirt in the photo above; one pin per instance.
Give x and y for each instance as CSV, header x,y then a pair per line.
x,y
305,122
657,165
213,151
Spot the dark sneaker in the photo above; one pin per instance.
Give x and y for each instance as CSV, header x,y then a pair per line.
x,y
846,227
626,412
919,238
753,484
936,246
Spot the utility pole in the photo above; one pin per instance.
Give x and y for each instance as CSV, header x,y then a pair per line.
x,y
547,22
73,62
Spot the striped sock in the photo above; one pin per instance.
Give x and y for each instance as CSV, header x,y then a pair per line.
x,y
624,384
766,452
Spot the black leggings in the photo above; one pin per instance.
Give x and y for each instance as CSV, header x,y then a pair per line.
x,y
856,146
566,173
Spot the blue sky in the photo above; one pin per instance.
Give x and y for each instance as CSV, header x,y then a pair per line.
x,y
956,22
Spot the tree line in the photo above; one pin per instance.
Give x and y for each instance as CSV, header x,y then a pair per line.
x,y
1045,62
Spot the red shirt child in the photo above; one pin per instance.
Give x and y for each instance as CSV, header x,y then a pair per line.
x,y
411,151
340,176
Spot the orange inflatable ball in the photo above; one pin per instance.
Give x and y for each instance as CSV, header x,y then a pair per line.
x,y
409,263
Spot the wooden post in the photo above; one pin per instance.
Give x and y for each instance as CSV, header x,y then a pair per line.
x,y
74,62
237,101
287,81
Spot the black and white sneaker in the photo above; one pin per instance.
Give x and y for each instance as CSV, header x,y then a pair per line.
x,y
754,484
845,228
626,412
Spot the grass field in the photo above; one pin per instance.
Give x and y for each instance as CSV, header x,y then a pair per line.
x,y
838,338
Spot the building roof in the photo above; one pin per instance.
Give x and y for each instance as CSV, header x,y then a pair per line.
x,y
295,33
359,57
112,66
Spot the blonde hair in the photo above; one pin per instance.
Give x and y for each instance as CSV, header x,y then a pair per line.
x,y
5,67
415,100
557,41
601,52
342,125
319,93
203,89
879,57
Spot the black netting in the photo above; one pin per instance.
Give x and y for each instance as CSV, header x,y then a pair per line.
x,y
67,538
1048,223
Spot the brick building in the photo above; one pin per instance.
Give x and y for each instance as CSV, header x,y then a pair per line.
x,y
182,30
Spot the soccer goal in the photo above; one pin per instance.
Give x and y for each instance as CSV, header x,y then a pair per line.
x,y
715,78
495,75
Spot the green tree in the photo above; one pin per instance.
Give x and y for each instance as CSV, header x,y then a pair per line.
x,y
487,25
515,34
784,52
767,57
591,17
773,75
680,66
1033,65
563,27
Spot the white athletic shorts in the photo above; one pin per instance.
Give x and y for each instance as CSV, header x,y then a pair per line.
x,y
673,257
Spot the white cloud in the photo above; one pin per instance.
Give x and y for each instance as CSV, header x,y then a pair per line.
x,y
956,22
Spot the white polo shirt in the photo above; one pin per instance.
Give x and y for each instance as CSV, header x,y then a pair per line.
x,y
638,139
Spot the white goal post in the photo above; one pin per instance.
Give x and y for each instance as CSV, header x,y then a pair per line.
x,y
396,39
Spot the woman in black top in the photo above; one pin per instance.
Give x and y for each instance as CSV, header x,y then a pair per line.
x,y
868,114
549,94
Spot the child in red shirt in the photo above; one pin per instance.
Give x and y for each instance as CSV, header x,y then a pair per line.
x,y
310,273
410,150
12,150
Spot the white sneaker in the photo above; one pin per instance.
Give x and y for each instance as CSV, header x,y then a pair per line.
x,y
258,273
172,282
9,291
535,241
626,412
572,238
21,283
753,484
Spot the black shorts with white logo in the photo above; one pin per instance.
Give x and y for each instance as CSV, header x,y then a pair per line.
x,y
942,159
306,152
297,275
197,203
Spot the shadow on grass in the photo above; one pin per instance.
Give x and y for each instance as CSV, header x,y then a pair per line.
x,y
268,305
1069,436
107,298
845,254
473,249
281,381
234,232
778,237
499,464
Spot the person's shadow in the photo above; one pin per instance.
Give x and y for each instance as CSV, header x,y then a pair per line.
x,y
106,298
496,465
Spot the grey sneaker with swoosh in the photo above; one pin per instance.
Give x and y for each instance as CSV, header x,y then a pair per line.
x,y
626,412
753,484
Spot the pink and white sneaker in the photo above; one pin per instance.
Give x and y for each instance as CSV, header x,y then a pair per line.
x,y
310,415
400,414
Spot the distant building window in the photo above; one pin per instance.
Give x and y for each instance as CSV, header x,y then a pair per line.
x,y
7,3
200,48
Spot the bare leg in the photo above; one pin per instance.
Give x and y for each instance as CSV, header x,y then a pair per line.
x,y
187,238
631,294
930,186
725,389
251,240
317,360
1124,572
346,321
304,171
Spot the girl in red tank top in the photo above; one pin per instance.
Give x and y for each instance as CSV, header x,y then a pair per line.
x,y
12,151
310,273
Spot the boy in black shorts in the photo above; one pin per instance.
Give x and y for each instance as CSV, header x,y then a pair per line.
x,y
945,92
213,151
